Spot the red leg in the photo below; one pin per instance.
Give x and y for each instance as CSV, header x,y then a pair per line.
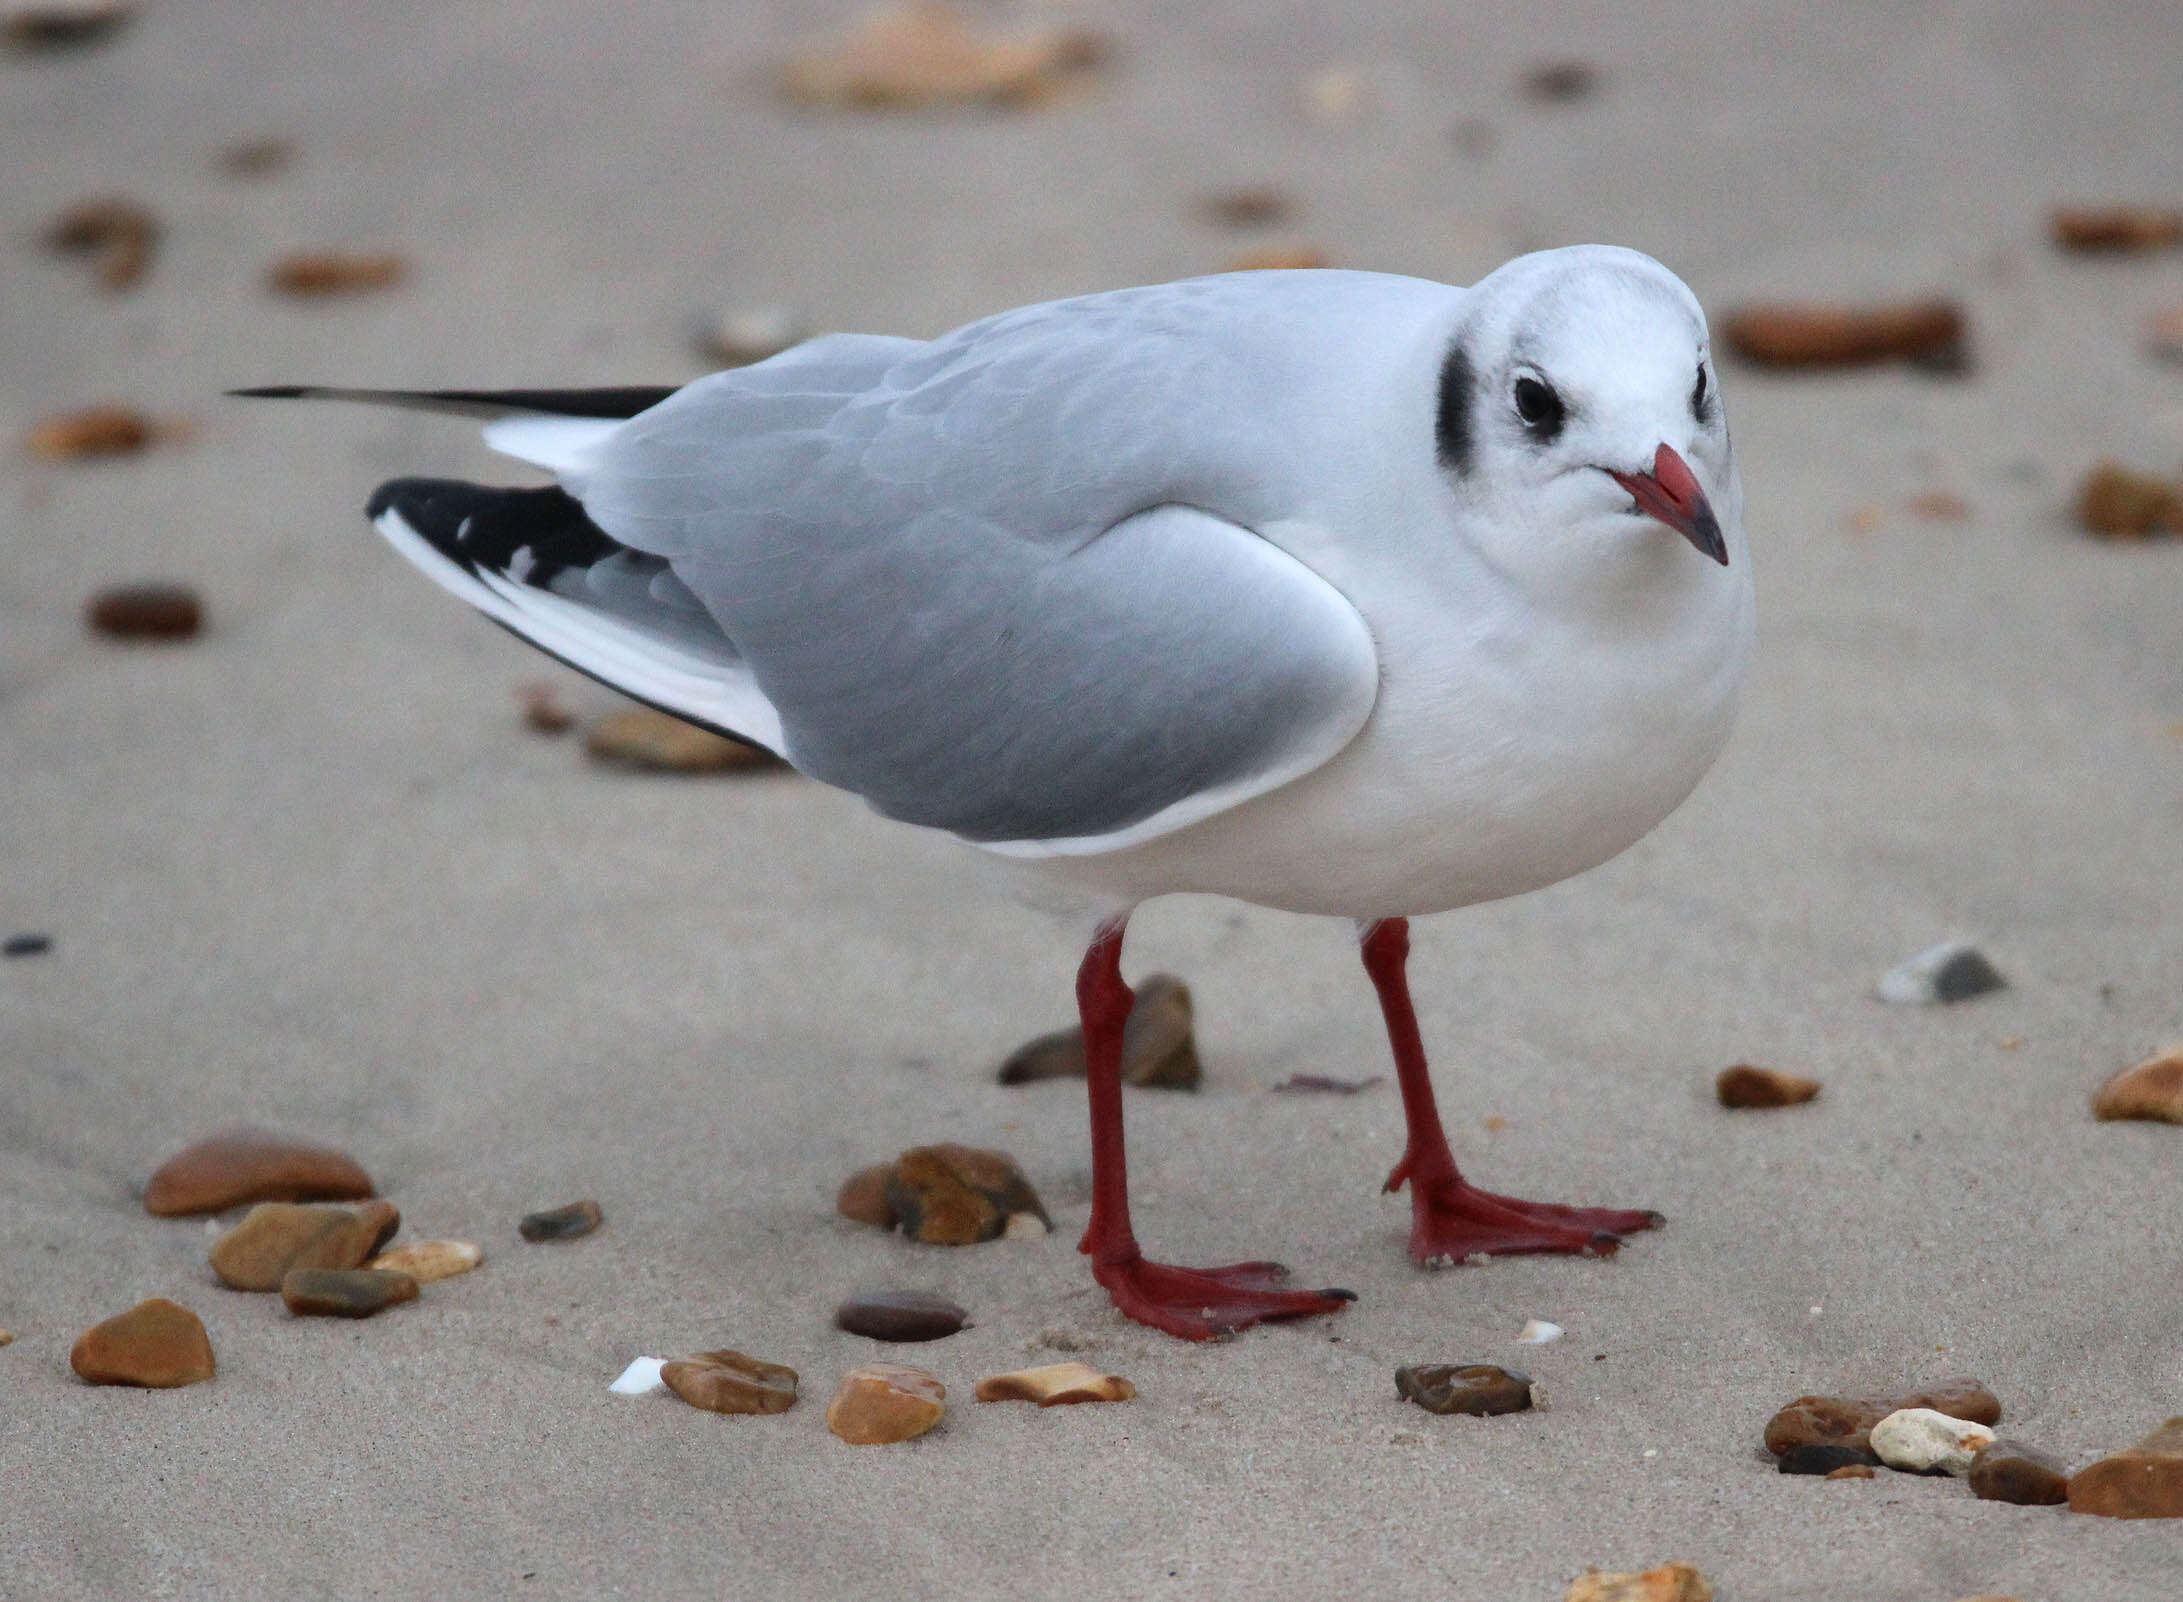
x,y
1195,1303
1451,1219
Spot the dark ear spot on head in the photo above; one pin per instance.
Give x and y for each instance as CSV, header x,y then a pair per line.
x,y
1451,426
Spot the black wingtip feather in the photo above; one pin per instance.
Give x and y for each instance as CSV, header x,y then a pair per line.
x,y
622,402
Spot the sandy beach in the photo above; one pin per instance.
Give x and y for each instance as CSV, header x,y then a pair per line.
x,y
310,870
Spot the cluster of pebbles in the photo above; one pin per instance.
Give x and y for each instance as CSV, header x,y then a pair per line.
x,y
323,1258
1947,1430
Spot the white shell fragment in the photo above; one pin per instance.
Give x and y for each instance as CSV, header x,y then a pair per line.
x,y
1921,1440
641,1378
1954,970
1538,1332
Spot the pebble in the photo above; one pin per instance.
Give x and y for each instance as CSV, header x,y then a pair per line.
x,y
251,1165
278,1237
1323,1085
2153,1090
1850,1471
1538,1332
1930,333
1561,82
26,945
878,1403
900,1316
427,1261
2116,228
119,234
644,738
60,24
1671,1582
1253,206
641,1378
1745,1086
577,1219
543,712
1025,1226
950,1195
1921,1441
1824,1459
2118,502
93,431
863,1197
157,1343
748,334
2144,1482
150,611
257,158
315,274
1848,1421
731,1382
1954,970
1479,1389
1158,1046
926,53
2010,1471
1056,1385
2164,334
344,1292
1278,259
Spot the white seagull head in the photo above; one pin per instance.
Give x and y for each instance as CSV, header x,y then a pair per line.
x,y
1581,418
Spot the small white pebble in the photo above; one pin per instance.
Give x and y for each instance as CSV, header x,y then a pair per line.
x,y
1815,1312
641,1378
1538,1332
1918,1439
1025,1226
1652,1451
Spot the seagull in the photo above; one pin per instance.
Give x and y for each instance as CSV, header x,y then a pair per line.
x,y
1341,593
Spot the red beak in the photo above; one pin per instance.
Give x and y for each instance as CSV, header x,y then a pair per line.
x,y
1670,493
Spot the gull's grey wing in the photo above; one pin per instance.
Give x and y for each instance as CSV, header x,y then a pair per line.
x,y
1006,583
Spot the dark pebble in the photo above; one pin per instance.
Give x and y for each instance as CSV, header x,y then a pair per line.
x,y
2010,1471
1822,1459
26,945
344,1292
562,1223
145,612
900,1316
1561,81
1480,1389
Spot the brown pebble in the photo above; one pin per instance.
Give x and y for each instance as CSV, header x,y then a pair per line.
x,y
2116,228
119,234
1851,1471
278,1237
542,708
1930,332
257,158
863,1196
317,273
251,1165
1939,506
1324,1085
344,1292
731,1382
2164,334
644,738
2010,1471
428,1261
1056,1385
1745,1086
1481,1390
1561,82
2142,1482
1254,206
1848,1421
927,54
951,1195
879,1403
1159,1047
63,24
2152,1090
900,1316
94,431
2118,502
145,612
157,1343
577,1219
1671,1582
1278,258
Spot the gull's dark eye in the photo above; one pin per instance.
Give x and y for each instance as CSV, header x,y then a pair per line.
x,y
1701,398
1540,408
